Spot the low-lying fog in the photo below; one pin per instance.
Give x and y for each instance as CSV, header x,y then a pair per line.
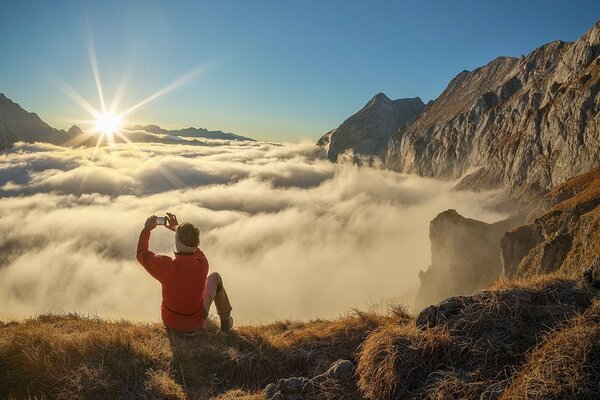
x,y
293,235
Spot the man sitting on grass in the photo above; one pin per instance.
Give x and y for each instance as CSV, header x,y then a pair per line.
x,y
187,291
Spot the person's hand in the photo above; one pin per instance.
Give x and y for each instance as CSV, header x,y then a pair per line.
x,y
171,222
151,222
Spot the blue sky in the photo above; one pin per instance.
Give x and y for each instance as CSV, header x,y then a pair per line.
x,y
275,70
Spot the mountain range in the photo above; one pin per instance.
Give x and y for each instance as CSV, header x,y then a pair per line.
x,y
522,124
17,124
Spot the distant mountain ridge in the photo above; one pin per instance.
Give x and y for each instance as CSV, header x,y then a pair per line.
x,y
523,124
17,124
190,132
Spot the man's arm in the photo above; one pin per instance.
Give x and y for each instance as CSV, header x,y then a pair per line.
x,y
151,262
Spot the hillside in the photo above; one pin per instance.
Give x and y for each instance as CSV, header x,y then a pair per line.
x,y
563,234
77,357
505,343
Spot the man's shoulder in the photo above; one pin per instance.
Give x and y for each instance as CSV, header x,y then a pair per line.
x,y
199,254
163,258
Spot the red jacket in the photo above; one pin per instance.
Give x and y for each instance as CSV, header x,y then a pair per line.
x,y
182,279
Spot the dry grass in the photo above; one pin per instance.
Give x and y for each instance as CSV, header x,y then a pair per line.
x,y
537,336
70,356
474,352
565,365
397,359
577,190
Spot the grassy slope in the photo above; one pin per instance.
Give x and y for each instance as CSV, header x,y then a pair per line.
x,y
498,342
76,357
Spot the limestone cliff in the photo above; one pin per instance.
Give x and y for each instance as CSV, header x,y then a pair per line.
x,y
518,123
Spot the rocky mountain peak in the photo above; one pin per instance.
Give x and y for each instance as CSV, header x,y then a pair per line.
x,y
368,131
381,96
74,130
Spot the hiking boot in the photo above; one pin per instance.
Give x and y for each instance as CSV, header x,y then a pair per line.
x,y
226,324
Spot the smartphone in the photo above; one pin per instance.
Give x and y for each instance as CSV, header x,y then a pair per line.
x,y
161,220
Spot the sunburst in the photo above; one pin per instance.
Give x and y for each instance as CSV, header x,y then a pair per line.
x,y
108,122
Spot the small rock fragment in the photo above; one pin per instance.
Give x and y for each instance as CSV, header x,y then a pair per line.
x,y
291,385
270,391
341,369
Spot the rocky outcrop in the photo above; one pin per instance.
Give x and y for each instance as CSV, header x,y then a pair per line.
x,y
368,131
465,256
563,234
325,140
16,124
517,123
339,376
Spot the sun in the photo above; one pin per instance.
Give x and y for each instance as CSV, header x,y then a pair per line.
x,y
108,123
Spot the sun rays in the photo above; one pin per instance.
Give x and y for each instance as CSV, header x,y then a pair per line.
x,y
109,122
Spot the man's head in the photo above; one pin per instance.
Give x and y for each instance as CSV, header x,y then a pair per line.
x,y
187,237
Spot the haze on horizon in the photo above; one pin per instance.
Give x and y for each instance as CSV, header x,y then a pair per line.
x,y
272,71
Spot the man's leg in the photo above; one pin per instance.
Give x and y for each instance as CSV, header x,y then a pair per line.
x,y
214,291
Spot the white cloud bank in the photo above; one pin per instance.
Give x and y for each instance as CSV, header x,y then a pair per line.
x,y
293,235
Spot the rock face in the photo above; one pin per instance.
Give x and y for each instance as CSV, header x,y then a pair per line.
x,y
565,237
465,256
519,123
368,131
16,124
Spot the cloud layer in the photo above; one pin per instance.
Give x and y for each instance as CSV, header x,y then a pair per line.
x,y
293,235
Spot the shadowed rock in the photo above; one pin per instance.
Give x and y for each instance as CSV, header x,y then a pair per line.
x,y
465,256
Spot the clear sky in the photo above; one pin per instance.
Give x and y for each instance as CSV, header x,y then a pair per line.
x,y
275,70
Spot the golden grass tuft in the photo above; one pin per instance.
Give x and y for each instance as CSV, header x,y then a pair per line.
x,y
565,365
395,360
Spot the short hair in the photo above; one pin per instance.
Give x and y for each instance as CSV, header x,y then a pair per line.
x,y
188,234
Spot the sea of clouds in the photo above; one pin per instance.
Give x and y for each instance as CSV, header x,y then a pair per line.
x,y
293,235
